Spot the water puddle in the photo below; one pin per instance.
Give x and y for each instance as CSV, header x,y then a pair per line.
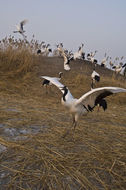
x,y
21,134
2,148
12,109
1,125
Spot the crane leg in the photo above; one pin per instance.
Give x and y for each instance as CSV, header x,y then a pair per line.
x,y
74,123
98,108
46,90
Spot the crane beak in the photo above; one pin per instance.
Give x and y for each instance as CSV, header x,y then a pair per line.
x,y
63,88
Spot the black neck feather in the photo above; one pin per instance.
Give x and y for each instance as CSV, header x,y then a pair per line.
x,y
92,84
65,93
60,75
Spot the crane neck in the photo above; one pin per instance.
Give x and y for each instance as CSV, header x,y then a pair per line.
x,y
64,94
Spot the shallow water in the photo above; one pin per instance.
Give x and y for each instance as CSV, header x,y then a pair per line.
x,y
1,125
2,148
12,109
11,133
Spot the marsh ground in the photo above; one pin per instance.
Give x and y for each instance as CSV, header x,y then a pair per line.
x,y
34,155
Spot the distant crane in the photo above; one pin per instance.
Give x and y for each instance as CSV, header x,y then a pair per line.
x,y
20,28
80,53
95,77
118,68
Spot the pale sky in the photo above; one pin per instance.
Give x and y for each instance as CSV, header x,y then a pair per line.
x,y
99,24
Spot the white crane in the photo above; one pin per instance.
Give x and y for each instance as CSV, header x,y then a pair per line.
x,y
80,53
95,77
42,45
119,68
46,50
67,59
20,28
58,50
111,63
86,102
90,57
104,60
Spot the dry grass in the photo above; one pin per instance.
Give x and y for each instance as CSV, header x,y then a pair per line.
x,y
93,158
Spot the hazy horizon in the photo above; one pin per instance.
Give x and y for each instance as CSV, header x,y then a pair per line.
x,y
100,25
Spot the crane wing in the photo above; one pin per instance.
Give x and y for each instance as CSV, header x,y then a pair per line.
x,y
18,27
56,82
22,23
124,65
66,61
93,97
66,67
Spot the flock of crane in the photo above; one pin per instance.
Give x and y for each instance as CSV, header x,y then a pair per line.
x,y
117,64
88,101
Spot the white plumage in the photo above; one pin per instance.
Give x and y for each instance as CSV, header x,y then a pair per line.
x,y
119,68
94,74
86,102
66,60
104,60
79,54
20,28
90,57
47,82
94,77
